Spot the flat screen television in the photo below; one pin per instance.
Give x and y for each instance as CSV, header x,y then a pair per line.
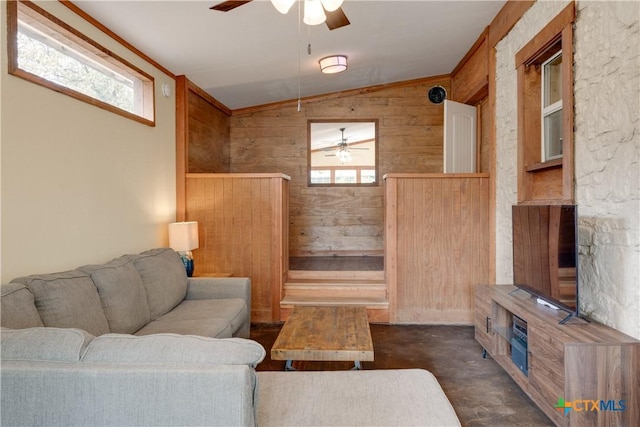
x,y
545,254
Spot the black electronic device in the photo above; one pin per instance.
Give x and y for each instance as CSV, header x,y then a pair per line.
x,y
545,254
519,354
519,328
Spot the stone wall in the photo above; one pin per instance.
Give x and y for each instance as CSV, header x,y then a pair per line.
x,y
607,143
507,127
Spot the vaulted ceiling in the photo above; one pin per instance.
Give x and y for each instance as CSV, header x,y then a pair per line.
x,y
253,55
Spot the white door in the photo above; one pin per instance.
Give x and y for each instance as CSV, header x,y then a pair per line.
x,y
459,137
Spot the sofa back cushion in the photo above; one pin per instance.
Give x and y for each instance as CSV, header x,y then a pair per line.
x,y
68,300
164,279
122,294
18,308
173,348
44,344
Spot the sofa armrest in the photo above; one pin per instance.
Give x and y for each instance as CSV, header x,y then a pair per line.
x,y
219,288
109,394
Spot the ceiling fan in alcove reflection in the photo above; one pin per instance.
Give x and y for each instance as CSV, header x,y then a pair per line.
x,y
343,149
315,11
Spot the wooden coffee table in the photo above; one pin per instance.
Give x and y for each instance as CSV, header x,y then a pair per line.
x,y
325,333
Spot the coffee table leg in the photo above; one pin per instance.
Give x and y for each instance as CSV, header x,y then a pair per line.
x,y
289,366
356,366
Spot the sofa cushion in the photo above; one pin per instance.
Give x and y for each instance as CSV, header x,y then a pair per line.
x,y
122,294
213,328
18,309
44,344
385,397
233,309
68,300
172,348
164,279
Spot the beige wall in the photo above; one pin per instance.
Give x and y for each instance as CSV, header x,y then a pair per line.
x,y
81,184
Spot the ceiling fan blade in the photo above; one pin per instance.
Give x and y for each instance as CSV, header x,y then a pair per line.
x,y
226,6
336,19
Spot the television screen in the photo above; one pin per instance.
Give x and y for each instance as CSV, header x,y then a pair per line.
x,y
545,253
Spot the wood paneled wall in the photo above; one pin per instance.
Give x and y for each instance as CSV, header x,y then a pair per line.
x,y
470,79
341,220
243,228
208,148
202,137
437,245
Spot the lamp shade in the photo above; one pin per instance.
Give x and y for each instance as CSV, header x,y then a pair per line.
x,y
313,12
283,6
331,5
333,64
183,236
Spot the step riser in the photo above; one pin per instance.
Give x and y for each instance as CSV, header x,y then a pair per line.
x,y
335,275
336,284
326,293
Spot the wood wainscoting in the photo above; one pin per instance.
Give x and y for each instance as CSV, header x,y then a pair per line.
x,y
244,230
436,245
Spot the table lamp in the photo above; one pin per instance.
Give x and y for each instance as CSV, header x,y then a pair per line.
x,y
183,237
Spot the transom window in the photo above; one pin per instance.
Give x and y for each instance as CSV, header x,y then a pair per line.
x,y
46,51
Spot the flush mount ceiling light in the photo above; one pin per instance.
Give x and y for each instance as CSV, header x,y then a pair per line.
x,y
313,9
333,64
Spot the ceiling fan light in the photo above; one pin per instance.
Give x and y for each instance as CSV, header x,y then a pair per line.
x,y
333,64
313,12
283,6
331,5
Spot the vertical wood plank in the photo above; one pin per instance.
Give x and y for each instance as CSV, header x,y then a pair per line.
x,y
391,245
242,222
441,245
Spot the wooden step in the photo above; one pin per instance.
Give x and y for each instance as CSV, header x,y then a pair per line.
x,y
341,288
370,303
335,274
366,288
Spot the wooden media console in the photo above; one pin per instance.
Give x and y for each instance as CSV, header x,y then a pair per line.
x,y
593,368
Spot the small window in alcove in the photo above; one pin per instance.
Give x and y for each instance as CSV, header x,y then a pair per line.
x,y
552,107
343,152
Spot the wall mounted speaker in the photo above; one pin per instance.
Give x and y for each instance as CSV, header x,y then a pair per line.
x,y
437,94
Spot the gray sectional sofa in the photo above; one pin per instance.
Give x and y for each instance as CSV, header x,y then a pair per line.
x,y
140,294
134,342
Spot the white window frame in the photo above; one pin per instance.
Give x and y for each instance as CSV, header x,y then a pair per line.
x,y
548,110
63,38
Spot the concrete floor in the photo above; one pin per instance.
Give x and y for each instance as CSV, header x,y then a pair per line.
x,y
481,393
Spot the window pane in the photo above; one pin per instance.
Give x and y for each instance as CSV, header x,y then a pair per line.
x,y
553,135
346,176
367,176
552,73
320,177
49,59
47,51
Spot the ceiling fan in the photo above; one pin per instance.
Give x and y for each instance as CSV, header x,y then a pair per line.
x,y
315,11
342,150
342,143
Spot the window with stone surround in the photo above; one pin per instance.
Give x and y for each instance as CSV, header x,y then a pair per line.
x,y
545,112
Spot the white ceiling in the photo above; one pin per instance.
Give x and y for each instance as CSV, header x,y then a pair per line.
x,y
254,55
